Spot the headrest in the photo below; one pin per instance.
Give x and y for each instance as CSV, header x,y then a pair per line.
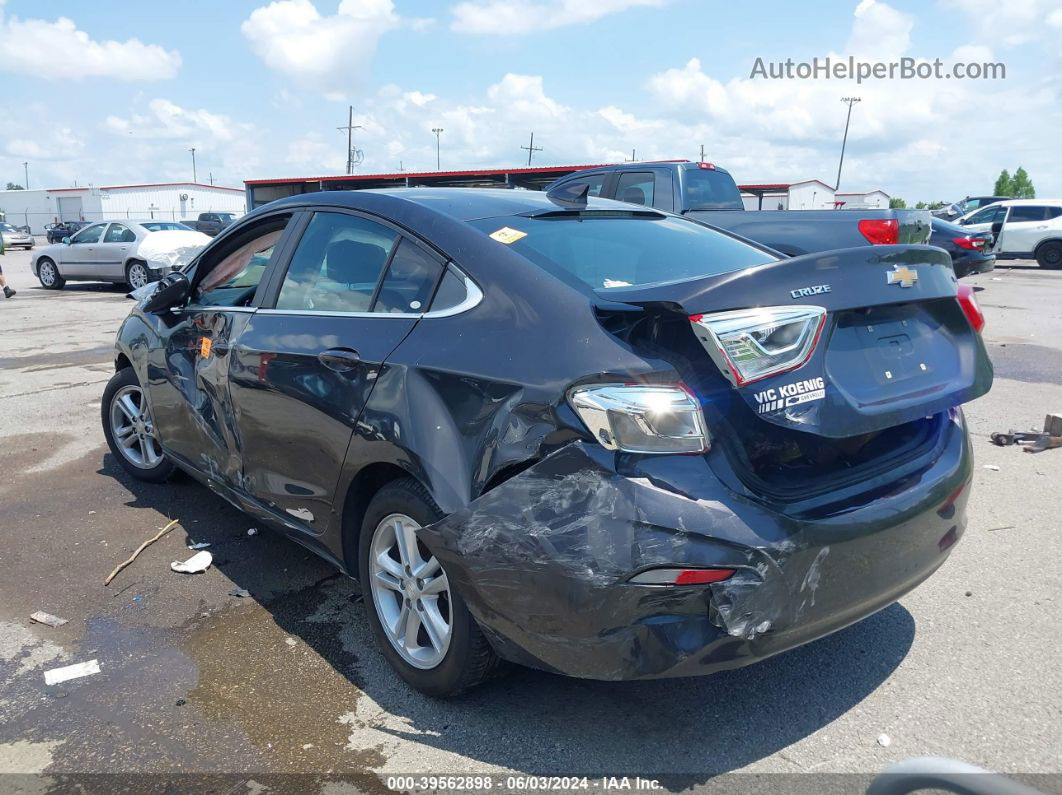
x,y
352,262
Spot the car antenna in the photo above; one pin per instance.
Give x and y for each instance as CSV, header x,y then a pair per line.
x,y
569,196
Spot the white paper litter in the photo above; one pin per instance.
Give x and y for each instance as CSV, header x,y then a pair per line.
x,y
76,671
199,545
171,249
200,561
991,467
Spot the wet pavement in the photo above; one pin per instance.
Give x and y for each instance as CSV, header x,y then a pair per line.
x,y
194,680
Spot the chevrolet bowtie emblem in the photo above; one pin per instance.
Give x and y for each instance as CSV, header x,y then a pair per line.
x,y
902,275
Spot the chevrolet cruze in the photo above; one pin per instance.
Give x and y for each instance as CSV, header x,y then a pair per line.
x,y
561,431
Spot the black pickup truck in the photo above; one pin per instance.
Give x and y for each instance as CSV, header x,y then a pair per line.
x,y
708,193
211,223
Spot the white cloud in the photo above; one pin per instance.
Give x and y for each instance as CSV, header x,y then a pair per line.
x,y
328,53
518,17
59,51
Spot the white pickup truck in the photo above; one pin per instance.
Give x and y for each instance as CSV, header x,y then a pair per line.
x,y
1022,229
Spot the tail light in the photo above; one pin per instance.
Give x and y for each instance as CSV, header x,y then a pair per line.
x,y
670,576
970,308
880,231
969,243
706,166
750,344
641,418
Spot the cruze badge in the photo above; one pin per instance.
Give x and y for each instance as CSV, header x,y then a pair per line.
x,y
902,275
804,292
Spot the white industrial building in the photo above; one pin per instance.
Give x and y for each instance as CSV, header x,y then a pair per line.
x,y
876,199
170,201
810,194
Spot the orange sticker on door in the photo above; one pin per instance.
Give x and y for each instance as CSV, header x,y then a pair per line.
x,y
204,346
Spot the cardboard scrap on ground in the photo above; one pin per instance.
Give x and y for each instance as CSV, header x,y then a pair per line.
x,y
66,673
40,617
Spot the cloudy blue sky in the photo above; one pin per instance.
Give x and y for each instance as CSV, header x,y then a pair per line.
x,y
116,92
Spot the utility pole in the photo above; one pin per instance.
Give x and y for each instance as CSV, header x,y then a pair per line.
x,y
702,153
350,128
633,158
192,150
850,101
438,150
531,149
25,165
211,177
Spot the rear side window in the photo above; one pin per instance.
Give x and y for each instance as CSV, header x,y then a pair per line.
x,y
605,249
1053,212
1026,213
409,282
636,187
337,264
711,189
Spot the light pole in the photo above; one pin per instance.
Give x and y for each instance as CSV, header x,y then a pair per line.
x,y
192,150
25,165
851,101
438,150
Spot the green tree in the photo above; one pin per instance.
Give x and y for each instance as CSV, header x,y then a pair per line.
x,y
1004,184
1021,186
936,205
896,203
13,186
920,206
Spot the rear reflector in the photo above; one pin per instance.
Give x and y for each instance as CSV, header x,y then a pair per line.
x,y
880,232
970,308
669,576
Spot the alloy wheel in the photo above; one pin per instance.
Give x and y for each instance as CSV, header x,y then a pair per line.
x,y
410,592
47,273
138,276
132,428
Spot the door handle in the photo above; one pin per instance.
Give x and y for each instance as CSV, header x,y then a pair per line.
x,y
339,359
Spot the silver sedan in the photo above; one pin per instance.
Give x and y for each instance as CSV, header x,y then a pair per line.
x,y
14,237
107,251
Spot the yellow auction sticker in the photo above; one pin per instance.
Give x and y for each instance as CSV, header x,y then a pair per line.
x,y
204,346
507,235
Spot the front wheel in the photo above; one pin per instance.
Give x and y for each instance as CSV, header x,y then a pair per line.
x,y
421,624
1049,256
48,274
130,429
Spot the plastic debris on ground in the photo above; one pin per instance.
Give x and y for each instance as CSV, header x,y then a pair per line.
x,y
68,672
200,561
884,740
198,544
243,593
40,617
992,467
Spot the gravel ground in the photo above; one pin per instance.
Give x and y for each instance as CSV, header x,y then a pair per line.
x,y
196,681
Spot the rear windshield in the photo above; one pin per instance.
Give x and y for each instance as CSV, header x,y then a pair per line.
x,y
607,249
710,189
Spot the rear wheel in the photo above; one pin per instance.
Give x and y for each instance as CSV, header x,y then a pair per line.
x,y
130,429
1049,255
422,626
48,274
137,275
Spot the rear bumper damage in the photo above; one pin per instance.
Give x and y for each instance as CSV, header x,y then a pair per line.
x,y
543,561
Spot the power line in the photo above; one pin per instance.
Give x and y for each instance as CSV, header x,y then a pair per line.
x,y
531,149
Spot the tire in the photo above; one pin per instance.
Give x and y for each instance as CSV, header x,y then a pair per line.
x,y
126,416
137,275
1049,255
48,275
467,659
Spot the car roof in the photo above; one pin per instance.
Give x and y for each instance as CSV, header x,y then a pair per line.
x,y
1036,202
463,204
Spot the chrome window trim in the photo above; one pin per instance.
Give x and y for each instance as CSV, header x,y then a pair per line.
x,y
213,308
473,295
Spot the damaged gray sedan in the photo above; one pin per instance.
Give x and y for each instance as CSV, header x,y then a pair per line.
x,y
565,432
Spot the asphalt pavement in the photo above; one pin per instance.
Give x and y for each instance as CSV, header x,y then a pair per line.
x,y
195,680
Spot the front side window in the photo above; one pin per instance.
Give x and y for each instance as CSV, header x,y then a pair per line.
x,y
606,249
337,264
635,188
119,233
987,215
233,279
90,234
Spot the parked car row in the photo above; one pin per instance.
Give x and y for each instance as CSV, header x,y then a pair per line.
x,y
15,237
1021,229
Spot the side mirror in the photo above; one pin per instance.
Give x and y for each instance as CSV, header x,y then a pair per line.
x,y
66,241
173,290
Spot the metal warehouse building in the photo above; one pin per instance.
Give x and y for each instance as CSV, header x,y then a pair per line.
x,y
171,201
